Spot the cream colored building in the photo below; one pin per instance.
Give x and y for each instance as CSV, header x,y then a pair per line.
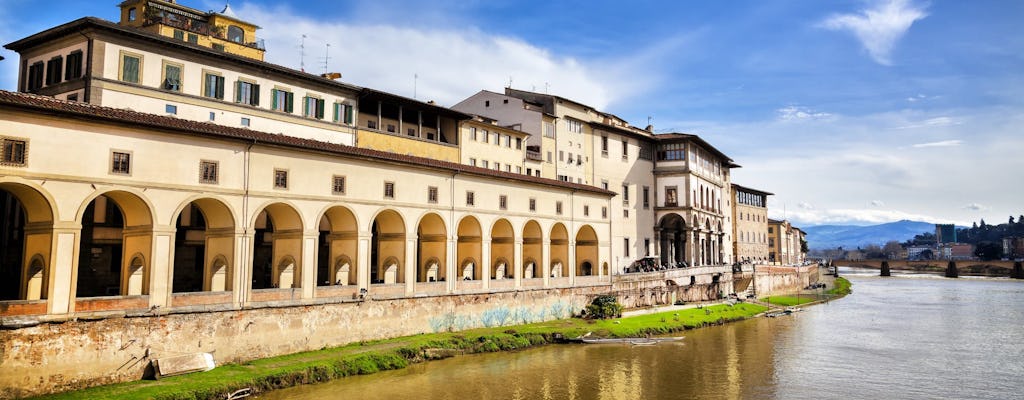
x,y
750,224
785,243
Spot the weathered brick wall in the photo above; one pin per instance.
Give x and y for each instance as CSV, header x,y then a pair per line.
x,y
54,357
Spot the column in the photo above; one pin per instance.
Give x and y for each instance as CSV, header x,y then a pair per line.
x,y
485,259
161,267
363,261
410,263
309,263
657,243
63,273
517,250
572,262
545,267
400,122
452,264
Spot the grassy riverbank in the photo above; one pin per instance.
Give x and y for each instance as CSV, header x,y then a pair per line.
x,y
788,301
370,357
842,287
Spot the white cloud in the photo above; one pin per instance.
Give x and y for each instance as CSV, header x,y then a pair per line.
x,y
851,216
975,207
797,113
936,122
450,62
943,143
805,205
880,27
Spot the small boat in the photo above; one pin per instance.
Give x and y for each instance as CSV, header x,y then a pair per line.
x,y
644,342
635,340
182,364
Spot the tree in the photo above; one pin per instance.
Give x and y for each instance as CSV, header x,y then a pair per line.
x,y
988,251
1011,220
892,249
803,245
873,251
927,255
975,226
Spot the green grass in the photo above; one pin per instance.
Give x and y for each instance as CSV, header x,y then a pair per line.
x,y
842,287
787,301
370,357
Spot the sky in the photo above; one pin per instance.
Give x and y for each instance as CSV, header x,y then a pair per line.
x,y
850,112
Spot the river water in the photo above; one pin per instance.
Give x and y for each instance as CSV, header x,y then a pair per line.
x,y
904,337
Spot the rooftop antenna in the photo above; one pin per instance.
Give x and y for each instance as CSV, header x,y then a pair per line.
x,y
415,82
327,56
649,120
302,53
510,81
546,85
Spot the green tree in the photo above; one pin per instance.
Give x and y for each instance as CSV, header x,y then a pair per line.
x,y
988,251
604,307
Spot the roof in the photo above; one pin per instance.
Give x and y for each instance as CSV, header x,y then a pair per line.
x,y
753,190
624,130
695,138
527,92
367,93
81,24
63,108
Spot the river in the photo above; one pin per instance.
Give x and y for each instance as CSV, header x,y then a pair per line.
x,y
908,337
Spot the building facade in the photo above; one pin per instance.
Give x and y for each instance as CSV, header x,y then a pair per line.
x,y
750,224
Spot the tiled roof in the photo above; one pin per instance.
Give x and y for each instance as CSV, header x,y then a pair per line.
x,y
50,105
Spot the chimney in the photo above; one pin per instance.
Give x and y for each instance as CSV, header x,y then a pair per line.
x,y
649,128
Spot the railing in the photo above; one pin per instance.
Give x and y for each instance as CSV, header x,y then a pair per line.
x,y
533,155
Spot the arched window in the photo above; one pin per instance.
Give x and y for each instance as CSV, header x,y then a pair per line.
x,y
235,34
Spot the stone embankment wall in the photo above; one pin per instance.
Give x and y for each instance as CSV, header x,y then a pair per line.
x,y
640,290
55,357
774,280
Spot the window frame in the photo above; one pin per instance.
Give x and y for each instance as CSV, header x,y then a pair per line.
x,y
470,198
121,65
335,186
73,70
389,189
204,175
164,80
218,89
5,154
253,92
113,163
432,194
281,184
503,202
288,98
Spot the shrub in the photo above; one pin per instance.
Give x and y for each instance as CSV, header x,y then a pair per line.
x,y
604,307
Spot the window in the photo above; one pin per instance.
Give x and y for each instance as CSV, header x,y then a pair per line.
x,y
579,160
485,135
549,156
604,145
625,149
508,141
391,128
472,133
35,76
625,194
338,184
558,207
314,108
207,171
604,184
281,100
519,170
236,34
519,143
280,179
574,126
647,246
73,97
470,198
472,161
213,86
389,190
132,14
508,167
131,67
497,166
54,69
646,151
549,130
213,116
670,197
245,122
625,247
561,155
604,212
247,93
432,194
73,69
502,202
171,109
172,77
411,131
497,139
533,204
344,113
180,35
672,152
121,163
586,211
193,38
625,213
371,124
218,47
483,163
647,197
14,151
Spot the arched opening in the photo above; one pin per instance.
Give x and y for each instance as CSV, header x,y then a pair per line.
x,y
26,232
339,244
672,230
114,225
469,249
387,249
502,251
532,251
277,247
432,238
604,269
586,251
204,231
559,267
236,34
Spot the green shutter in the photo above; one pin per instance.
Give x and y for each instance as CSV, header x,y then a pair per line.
x,y
320,108
305,106
238,91
348,114
220,87
255,95
336,111
273,99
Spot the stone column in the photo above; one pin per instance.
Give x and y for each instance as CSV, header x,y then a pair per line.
x,y
452,264
363,261
161,273
485,259
63,264
410,263
242,267
572,262
518,262
545,267
309,263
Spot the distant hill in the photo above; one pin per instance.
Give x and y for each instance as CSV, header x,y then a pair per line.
x,y
850,237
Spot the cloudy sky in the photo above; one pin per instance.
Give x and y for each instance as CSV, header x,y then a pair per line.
x,y
861,111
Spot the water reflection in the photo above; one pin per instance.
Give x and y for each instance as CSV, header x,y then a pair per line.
x,y
894,337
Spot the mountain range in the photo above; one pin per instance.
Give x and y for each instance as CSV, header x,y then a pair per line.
x,y
851,236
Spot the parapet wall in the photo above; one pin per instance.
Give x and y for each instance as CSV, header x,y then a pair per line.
x,y
774,280
56,357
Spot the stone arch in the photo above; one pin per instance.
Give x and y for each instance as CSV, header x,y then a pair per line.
x,y
115,223
604,269
672,240
469,247
278,229
204,229
533,242
559,267
586,251
338,239
468,269
502,249
431,248
27,213
388,244
219,276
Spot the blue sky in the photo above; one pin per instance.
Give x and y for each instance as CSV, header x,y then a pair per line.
x,y
849,111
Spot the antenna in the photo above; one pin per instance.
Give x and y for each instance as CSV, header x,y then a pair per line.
x,y
649,120
510,81
415,81
302,53
546,85
327,56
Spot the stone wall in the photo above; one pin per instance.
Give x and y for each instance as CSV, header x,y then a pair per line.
x,y
774,280
55,357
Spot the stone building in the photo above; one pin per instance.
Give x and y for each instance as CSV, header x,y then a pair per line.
x,y
750,224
